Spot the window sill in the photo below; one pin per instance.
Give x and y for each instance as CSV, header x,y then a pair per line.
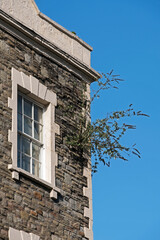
x,y
17,171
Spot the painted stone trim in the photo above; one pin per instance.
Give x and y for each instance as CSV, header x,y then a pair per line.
x,y
34,89
28,13
87,191
15,234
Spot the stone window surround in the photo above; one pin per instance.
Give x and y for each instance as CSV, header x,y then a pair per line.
x,y
31,86
15,234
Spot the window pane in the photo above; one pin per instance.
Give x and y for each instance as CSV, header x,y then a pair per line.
x,y
36,151
19,142
28,126
26,146
37,114
26,162
36,168
27,108
19,161
38,131
19,122
19,104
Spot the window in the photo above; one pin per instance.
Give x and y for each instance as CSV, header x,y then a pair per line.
x,y
33,131
30,136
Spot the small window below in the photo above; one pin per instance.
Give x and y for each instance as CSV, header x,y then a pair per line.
x,y
15,234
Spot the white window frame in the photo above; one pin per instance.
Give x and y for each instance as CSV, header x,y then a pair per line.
x,y
32,88
32,139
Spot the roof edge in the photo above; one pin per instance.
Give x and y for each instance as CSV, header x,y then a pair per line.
x,y
27,12
16,24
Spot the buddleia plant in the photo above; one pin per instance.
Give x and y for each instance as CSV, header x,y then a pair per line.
x,y
102,137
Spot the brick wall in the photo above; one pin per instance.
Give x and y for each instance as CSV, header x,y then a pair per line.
x,y
25,205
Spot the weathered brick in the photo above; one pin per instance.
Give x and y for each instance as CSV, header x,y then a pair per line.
x,y
24,215
38,195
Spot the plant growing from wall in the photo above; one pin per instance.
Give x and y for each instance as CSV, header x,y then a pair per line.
x,y
102,137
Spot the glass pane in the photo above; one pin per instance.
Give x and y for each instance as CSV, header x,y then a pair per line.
x,y
26,163
38,114
19,122
19,142
38,131
19,104
27,108
28,126
19,161
26,146
36,168
36,151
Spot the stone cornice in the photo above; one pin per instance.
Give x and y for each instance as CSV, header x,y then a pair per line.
x,y
27,12
40,44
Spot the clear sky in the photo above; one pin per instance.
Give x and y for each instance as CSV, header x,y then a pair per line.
x,y
125,36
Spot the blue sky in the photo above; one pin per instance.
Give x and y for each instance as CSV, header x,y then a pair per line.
x,y
125,36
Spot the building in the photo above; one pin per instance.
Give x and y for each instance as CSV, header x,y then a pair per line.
x,y
46,190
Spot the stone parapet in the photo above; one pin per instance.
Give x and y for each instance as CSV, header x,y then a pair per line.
x,y
28,13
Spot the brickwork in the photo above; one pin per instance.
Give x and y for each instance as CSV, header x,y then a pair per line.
x,y
26,205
